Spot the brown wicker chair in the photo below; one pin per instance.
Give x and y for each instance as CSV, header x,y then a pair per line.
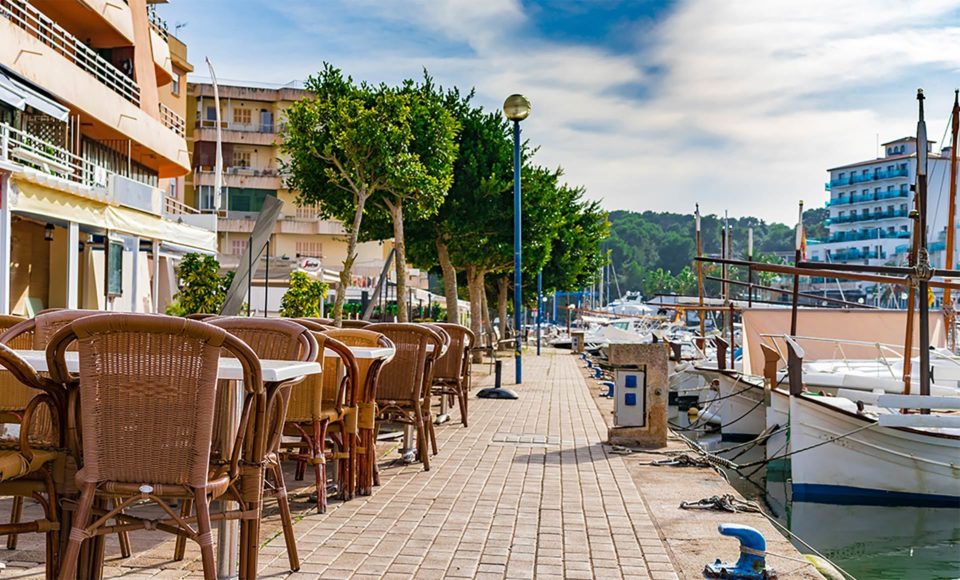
x,y
364,405
34,334
270,339
345,323
452,370
146,405
403,385
28,465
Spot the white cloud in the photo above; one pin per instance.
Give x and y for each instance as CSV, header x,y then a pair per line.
x,y
736,105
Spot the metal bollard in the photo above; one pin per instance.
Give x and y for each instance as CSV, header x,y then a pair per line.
x,y
752,562
498,374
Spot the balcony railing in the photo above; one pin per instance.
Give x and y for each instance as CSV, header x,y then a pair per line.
x,y
157,23
30,151
856,254
866,198
172,120
173,205
865,217
856,236
243,127
875,176
26,16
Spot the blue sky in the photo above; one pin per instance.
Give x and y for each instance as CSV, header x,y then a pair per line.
x,y
739,106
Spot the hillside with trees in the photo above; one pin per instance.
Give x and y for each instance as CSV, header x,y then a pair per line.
x,y
653,251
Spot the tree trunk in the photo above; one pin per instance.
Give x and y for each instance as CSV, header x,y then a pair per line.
x,y
487,319
345,274
503,289
476,290
396,214
449,281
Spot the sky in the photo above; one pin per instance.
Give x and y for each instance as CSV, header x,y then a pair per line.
x,y
650,105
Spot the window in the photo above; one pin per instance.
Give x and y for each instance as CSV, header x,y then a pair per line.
x,y
841,214
903,188
205,198
842,175
889,168
865,172
876,190
853,213
309,249
241,158
890,209
238,247
878,210
173,189
242,116
212,114
175,85
903,207
889,188
891,230
246,199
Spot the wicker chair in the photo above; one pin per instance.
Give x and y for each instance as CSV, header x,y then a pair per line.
x,y
403,385
317,407
28,466
34,334
452,370
345,323
146,406
270,339
428,381
364,403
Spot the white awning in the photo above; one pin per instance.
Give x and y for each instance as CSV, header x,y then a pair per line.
x,y
22,93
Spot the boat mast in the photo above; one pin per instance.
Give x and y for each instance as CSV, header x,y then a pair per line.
x,y
923,272
701,314
949,314
796,277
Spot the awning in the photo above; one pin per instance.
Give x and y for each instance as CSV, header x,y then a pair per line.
x,y
18,93
43,201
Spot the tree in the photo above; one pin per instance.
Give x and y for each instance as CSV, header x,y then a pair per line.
x,y
349,144
575,256
304,297
201,287
429,175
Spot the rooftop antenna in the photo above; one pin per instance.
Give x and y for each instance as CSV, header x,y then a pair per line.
x,y
177,26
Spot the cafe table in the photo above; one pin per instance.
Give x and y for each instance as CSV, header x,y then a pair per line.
x,y
272,371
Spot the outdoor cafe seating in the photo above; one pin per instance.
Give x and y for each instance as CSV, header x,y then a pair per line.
x,y
117,423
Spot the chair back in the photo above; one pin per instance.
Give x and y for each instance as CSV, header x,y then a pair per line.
x,y
40,329
147,394
450,366
403,378
14,395
369,370
273,339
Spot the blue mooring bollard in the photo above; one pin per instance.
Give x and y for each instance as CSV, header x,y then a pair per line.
x,y
610,386
752,563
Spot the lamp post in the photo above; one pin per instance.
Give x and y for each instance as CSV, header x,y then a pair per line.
x,y
516,108
539,307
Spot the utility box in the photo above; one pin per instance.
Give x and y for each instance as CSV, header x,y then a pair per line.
x,y
630,406
640,406
577,342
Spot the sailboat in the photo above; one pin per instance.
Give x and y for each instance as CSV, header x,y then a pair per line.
x,y
861,447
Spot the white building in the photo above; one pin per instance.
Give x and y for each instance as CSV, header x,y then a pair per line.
x,y
870,204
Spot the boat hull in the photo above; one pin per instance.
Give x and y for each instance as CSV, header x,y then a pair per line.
x,y
740,405
874,466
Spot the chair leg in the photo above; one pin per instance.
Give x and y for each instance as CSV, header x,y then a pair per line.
x,y
68,567
51,510
462,399
15,512
205,535
431,430
180,546
286,519
420,426
123,537
320,464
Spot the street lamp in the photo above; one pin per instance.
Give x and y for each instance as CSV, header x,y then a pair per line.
x,y
516,108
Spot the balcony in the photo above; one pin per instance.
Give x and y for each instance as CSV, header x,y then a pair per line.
x,y
877,175
855,236
242,177
856,254
285,225
171,120
866,198
24,149
248,134
25,16
866,217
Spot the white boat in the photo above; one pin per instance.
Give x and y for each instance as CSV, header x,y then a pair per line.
x,y
739,403
843,453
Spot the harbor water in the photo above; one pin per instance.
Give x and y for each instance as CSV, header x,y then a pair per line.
x,y
865,541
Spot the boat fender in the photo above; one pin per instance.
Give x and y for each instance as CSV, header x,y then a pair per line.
x,y
753,551
693,412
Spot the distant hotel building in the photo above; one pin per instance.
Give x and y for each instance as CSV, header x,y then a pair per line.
x,y
870,204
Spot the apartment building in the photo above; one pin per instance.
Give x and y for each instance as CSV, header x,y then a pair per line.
x,y
252,117
870,203
91,136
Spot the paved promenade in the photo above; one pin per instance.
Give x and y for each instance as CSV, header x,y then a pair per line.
x,y
526,491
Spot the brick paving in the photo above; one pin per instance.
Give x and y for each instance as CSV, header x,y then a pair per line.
x,y
526,491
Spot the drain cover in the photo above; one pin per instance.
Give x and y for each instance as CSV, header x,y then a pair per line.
x,y
525,439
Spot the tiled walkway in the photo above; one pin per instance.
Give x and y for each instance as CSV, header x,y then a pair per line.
x,y
526,491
